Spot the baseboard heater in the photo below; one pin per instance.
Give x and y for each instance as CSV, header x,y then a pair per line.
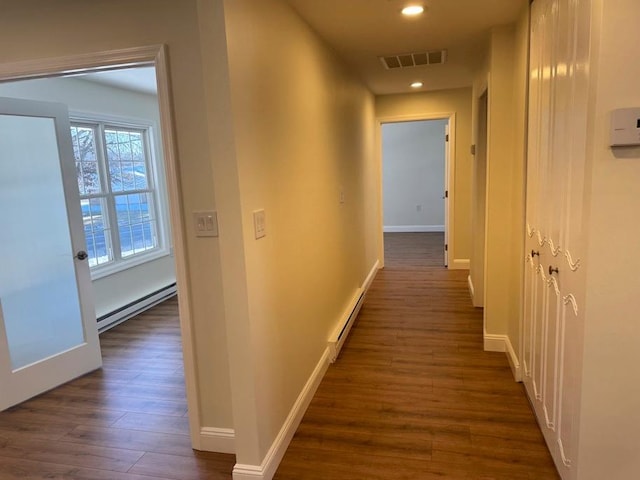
x,y
340,334
124,313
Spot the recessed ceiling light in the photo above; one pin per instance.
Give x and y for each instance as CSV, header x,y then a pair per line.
x,y
412,10
417,85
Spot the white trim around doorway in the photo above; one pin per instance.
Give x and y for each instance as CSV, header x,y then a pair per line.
x,y
153,55
450,182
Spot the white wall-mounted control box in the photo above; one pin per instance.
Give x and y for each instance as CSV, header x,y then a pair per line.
x,y
625,127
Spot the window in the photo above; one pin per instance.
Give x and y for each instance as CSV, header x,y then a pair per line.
x,y
117,195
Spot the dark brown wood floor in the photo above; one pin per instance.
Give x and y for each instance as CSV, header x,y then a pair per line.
x,y
413,395
125,422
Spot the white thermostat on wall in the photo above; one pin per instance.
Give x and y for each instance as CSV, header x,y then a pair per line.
x,y
625,127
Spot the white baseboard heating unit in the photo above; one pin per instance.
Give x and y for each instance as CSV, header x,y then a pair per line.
x,y
341,332
124,313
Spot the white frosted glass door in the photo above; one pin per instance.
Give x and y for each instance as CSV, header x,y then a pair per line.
x,y
48,332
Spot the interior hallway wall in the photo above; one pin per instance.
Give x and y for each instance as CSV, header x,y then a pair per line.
x,y
302,139
504,73
609,421
413,169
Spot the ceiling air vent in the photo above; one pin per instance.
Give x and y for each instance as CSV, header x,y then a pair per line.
x,y
409,60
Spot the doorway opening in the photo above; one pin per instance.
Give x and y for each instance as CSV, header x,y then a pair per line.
x,y
415,181
478,219
127,203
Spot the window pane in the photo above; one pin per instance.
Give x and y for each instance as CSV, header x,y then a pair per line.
x,y
115,172
124,147
90,177
86,144
126,242
96,231
122,210
137,148
138,228
140,176
128,182
84,150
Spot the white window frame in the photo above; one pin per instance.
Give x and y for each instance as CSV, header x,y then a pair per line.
x,y
157,189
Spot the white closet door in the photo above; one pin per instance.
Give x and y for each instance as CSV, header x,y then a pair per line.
x,y
554,277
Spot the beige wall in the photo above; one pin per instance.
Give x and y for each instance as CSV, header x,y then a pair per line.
x,y
303,130
35,29
430,104
520,86
610,425
504,73
500,171
479,195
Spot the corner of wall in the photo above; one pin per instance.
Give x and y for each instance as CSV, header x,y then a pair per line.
x,y
267,469
502,343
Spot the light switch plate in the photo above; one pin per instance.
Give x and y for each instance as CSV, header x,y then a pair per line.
x,y
259,224
205,223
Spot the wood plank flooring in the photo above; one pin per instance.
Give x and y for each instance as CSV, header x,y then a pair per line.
x,y
413,395
127,421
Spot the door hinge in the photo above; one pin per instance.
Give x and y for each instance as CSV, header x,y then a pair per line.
x,y
446,137
446,247
446,194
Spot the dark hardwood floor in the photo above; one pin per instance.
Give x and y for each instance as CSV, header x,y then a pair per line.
x,y
413,395
127,421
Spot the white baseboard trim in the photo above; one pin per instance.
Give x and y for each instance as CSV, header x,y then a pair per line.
x,y
502,343
514,361
471,289
412,228
220,440
372,274
460,264
267,469
494,343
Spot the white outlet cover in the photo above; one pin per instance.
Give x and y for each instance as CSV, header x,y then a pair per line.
x,y
259,224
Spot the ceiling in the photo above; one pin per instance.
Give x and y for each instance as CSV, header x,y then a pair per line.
x,y
140,79
362,30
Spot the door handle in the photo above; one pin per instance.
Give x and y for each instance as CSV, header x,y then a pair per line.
x,y
552,270
534,253
81,255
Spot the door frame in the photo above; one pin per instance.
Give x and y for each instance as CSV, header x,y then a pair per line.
x,y
156,56
481,117
450,155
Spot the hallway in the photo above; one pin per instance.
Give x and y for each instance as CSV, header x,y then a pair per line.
x,y
413,395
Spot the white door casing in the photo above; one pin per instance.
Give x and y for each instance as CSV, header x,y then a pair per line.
x,y
447,162
449,180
